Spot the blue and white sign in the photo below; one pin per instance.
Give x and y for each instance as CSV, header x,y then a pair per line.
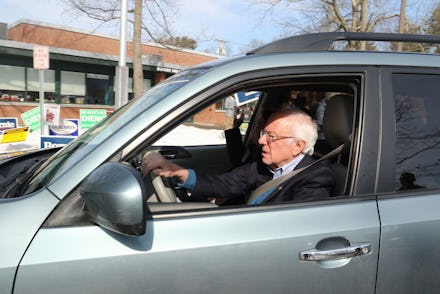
x,y
8,123
55,141
69,127
247,97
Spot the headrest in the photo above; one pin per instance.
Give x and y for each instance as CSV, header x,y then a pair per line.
x,y
338,119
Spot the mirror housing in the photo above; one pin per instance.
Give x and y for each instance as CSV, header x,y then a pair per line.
x,y
115,197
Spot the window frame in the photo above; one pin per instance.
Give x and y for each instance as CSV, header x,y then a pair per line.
x,y
238,83
191,105
387,168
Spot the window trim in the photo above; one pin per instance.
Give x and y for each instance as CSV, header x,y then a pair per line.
x,y
387,169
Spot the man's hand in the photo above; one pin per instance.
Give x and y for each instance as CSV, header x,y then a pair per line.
x,y
154,162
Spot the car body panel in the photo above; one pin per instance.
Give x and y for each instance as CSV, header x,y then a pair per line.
x,y
409,259
200,253
21,219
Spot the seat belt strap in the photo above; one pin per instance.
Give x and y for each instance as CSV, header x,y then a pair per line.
x,y
271,185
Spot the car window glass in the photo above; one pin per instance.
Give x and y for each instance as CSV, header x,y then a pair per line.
x,y
91,139
417,114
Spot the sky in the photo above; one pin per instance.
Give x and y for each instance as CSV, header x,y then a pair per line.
x,y
237,22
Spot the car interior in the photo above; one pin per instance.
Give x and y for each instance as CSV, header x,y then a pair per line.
x,y
336,129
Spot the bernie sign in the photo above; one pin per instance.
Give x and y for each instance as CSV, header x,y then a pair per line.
x,y
8,123
54,141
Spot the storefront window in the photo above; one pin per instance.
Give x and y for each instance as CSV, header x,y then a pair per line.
x,y
22,84
33,85
12,83
130,87
73,87
97,89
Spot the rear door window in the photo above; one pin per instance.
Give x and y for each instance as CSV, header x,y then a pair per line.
x,y
417,122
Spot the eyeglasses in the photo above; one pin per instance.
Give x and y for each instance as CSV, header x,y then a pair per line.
x,y
271,137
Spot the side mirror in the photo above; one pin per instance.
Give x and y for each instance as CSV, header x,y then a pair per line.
x,y
115,197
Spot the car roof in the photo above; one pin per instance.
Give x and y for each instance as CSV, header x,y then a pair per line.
x,y
323,58
324,41
315,49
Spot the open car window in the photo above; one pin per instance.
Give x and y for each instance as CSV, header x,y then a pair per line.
x,y
201,142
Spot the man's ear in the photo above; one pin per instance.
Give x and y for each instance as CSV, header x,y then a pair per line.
x,y
297,147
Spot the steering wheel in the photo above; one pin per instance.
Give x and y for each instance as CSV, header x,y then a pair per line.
x,y
164,192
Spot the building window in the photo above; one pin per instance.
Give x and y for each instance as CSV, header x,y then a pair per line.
x,y
73,87
97,89
33,85
12,83
130,87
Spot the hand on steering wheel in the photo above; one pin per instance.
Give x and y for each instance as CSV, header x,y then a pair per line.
x,y
164,193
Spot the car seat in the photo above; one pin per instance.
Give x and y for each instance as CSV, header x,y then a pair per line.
x,y
337,128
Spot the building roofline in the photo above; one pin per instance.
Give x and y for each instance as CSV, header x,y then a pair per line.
x,y
83,31
86,54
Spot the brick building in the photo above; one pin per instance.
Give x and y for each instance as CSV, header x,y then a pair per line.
x,y
82,67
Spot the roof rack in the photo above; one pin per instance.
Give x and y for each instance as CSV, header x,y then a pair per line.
x,y
323,41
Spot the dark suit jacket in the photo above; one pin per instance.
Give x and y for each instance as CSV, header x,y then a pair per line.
x,y
315,182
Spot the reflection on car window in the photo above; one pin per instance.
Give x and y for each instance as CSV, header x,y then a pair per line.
x,y
104,129
417,111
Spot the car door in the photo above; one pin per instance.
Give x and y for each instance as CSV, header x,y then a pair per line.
x,y
243,250
314,247
20,220
409,199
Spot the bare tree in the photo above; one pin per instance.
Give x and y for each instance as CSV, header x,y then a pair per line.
x,y
337,15
253,44
433,24
402,22
138,73
155,24
180,41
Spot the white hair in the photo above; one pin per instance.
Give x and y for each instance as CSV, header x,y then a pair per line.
x,y
307,131
304,128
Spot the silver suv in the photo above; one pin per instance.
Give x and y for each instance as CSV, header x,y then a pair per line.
x,y
84,220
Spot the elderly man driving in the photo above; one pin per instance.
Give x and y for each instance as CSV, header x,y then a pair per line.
x,y
286,141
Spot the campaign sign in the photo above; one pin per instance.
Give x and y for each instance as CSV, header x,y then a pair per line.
x,y
55,141
32,118
247,97
90,117
15,135
8,123
52,114
69,127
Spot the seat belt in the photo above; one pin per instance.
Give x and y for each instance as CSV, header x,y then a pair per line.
x,y
271,185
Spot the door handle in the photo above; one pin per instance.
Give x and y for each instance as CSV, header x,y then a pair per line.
x,y
356,249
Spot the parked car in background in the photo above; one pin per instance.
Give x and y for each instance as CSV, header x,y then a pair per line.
x,y
85,220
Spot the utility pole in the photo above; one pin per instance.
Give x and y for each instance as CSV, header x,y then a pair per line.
x,y
138,75
402,21
221,50
121,75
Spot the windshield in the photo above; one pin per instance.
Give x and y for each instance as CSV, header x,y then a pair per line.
x,y
88,141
